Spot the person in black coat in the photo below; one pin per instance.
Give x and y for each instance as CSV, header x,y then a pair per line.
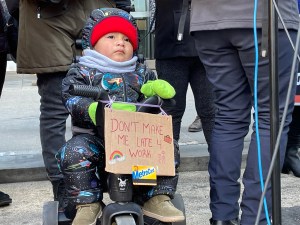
x,y
13,9
4,198
178,63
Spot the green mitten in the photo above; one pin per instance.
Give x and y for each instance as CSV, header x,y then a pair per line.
x,y
123,106
163,89
147,89
92,111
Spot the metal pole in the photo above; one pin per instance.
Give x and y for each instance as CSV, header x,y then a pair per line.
x,y
274,112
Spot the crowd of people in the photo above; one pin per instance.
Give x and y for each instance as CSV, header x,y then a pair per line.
x,y
215,54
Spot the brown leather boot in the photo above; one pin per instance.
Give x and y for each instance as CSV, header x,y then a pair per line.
x,y
161,208
87,214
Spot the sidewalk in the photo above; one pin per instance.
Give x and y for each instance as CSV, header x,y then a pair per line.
x,y
20,149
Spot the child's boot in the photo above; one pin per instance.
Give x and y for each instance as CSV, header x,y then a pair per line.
x,y
87,214
161,208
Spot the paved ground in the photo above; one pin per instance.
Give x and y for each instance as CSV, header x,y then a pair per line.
x,y
29,197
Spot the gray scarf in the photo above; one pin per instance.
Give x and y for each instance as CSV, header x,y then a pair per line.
x,y
94,59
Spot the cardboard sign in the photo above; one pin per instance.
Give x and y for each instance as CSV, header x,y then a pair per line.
x,y
138,139
297,97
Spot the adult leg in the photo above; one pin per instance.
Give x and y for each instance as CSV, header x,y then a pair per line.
x,y
52,121
232,120
3,63
292,159
203,95
176,72
251,177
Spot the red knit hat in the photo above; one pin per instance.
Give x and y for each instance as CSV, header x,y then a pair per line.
x,y
115,24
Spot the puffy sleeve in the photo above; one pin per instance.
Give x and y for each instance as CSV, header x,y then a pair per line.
x,y
77,106
145,73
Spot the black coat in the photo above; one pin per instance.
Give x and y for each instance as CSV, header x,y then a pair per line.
x,y
3,41
77,106
13,8
168,14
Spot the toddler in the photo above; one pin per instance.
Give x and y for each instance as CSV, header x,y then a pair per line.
x,y
110,43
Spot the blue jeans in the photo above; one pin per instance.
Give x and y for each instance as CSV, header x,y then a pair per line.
x,y
228,58
52,120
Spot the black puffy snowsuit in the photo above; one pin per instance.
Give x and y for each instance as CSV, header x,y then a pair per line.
x,y
81,159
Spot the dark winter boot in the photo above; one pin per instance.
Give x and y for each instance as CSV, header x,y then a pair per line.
x,y
226,222
292,161
59,193
196,126
4,199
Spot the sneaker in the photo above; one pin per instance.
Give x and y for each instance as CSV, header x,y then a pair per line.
x,y
161,208
196,126
4,199
87,214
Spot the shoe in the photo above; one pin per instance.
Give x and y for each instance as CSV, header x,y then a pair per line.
x,y
196,126
291,161
59,193
4,199
87,214
161,208
226,222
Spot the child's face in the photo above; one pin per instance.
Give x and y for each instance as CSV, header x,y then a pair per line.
x,y
115,46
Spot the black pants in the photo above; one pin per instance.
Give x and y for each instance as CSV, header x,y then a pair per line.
x,y
228,58
3,63
52,120
294,132
180,72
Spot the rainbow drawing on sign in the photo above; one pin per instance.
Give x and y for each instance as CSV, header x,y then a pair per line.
x,y
116,156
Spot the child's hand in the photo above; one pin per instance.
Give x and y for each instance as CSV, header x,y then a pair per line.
x,y
115,105
123,106
158,87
